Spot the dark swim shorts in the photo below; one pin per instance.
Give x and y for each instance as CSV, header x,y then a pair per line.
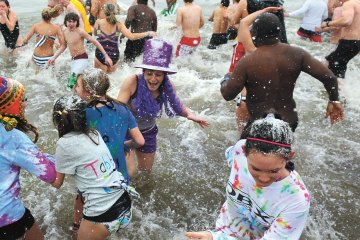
x,y
150,140
345,51
17,229
217,39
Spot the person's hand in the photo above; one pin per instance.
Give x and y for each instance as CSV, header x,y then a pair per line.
x,y
199,235
51,61
3,14
318,29
198,120
108,60
335,112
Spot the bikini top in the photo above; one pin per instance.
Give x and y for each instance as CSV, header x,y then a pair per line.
x,y
43,40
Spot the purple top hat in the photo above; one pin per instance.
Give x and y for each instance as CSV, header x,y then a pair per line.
x,y
157,56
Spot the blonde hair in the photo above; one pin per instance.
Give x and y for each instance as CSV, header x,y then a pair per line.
x,y
110,11
49,13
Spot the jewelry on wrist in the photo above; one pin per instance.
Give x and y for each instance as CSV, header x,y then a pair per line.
x,y
334,101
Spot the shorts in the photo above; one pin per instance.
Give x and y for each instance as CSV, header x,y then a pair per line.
x,y
217,39
313,36
345,51
231,33
17,229
187,46
134,48
117,217
239,52
150,140
114,55
79,63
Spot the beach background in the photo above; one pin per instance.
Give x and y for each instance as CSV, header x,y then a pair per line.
x,y
187,186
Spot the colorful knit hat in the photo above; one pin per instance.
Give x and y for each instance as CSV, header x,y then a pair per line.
x,y
11,94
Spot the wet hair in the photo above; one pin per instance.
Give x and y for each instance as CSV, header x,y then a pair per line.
x,y
225,3
69,115
72,17
110,12
97,83
265,29
142,2
24,126
270,135
49,13
6,3
188,1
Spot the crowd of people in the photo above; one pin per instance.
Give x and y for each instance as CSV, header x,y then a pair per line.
x,y
111,139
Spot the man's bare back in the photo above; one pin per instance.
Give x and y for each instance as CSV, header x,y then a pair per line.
x,y
97,7
219,18
351,30
190,17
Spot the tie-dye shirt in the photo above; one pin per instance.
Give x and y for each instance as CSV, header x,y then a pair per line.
x,y
16,152
278,211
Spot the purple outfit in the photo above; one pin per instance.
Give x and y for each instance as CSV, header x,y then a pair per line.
x,y
146,109
17,151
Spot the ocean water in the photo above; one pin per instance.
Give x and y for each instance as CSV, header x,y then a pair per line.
x,y
187,186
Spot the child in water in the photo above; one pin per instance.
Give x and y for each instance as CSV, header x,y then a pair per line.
x,y
81,152
265,197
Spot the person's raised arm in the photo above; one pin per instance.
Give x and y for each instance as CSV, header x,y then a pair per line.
x,y
346,18
86,36
10,20
232,84
300,11
319,71
127,89
133,36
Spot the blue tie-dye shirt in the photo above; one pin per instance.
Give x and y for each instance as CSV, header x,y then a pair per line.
x,y
18,151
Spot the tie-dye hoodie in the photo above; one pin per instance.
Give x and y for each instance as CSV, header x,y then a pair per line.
x,y
278,211
16,152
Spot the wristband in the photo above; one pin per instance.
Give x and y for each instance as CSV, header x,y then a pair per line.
x,y
226,78
334,102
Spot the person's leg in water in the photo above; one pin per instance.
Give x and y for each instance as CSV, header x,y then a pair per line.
x,y
242,113
131,165
34,233
78,212
90,231
145,161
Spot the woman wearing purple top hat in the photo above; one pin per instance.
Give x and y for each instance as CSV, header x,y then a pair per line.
x,y
146,94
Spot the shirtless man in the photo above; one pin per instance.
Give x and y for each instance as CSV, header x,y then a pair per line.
x,y
97,8
74,38
219,18
349,43
77,7
140,18
231,32
190,18
270,73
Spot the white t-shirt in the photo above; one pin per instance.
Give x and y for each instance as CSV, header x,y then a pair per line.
x,y
314,12
94,170
278,211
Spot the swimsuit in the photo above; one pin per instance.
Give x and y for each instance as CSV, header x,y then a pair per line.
x,y
110,45
42,61
313,36
134,48
217,39
345,51
187,46
10,37
231,33
239,52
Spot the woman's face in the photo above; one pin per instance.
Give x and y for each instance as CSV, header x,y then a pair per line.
x,y
3,7
266,168
153,79
80,90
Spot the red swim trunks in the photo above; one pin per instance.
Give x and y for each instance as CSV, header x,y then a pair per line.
x,y
187,46
313,36
239,52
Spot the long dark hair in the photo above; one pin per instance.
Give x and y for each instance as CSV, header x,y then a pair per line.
x,y
69,115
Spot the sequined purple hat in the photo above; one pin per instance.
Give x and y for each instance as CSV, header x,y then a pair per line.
x,y
157,56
